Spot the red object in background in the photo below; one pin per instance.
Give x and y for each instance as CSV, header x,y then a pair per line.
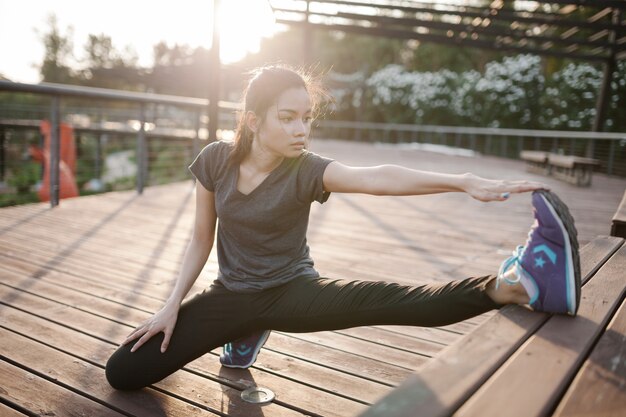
x,y
67,165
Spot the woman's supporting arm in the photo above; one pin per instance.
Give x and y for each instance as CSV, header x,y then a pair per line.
x,y
398,180
195,257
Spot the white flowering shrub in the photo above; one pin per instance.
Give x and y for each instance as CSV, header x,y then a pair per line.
x,y
509,92
570,98
512,92
417,96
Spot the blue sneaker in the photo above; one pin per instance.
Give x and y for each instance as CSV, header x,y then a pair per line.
x,y
242,352
548,265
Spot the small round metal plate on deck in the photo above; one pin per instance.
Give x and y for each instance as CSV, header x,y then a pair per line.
x,y
257,395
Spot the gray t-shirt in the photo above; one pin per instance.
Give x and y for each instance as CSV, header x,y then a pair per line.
x,y
261,236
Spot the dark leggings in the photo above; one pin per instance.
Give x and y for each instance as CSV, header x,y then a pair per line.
x,y
217,316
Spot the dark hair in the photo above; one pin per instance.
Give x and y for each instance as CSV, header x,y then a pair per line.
x,y
266,84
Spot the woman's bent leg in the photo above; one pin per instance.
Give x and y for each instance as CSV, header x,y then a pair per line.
x,y
205,322
322,304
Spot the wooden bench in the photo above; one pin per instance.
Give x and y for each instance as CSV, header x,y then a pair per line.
x,y
618,224
536,161
574,169
521,363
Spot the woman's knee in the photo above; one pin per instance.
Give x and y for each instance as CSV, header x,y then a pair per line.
x,y
119,371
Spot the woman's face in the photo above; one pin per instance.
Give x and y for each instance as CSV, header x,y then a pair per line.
x,y
285,129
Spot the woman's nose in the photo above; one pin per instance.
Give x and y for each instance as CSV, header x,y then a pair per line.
x,y
300,128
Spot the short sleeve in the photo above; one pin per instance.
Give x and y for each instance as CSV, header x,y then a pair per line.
x,y
311,178
205,164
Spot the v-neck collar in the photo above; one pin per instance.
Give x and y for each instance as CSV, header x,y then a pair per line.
x,y
262,183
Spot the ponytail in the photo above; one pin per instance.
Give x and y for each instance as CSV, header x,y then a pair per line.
x,y
243,142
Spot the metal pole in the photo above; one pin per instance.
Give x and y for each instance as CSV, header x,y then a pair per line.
x,y
196,134
141,139
308,37
98,161
214,74
609,168
3,164
55,150
605,89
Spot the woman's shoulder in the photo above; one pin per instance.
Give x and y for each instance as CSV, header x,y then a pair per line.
x,y
217,150
308,156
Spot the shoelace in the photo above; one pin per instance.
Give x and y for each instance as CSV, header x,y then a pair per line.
x,y
515,260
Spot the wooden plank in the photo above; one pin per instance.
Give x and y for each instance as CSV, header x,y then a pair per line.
x,y
6,411
599,389
618,223
42,397
445,382
88,380
555,352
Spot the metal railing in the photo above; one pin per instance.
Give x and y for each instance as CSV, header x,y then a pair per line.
x,y
185,119
57,92
609,148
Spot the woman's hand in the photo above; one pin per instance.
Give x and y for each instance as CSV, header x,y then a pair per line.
x,y
163,321
498,190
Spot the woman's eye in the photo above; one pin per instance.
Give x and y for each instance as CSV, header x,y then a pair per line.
x,y
286,119
308,119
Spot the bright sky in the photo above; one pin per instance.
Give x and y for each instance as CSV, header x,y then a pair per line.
x,y
138,23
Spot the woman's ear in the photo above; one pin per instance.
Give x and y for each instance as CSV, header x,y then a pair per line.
x,y
252,121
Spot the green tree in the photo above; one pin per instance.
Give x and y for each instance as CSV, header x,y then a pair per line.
x,y
106,66
58,53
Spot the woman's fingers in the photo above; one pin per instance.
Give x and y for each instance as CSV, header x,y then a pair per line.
x,y
134,335
166,339
525,186
141,341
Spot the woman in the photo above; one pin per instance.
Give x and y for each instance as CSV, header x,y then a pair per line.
x,y
261,188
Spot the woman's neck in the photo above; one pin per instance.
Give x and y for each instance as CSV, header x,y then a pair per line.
x,y
261,160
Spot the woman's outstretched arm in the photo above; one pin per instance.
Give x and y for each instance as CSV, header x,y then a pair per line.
x,y
397,180
195,257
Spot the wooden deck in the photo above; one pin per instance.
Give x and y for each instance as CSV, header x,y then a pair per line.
x,y
75,280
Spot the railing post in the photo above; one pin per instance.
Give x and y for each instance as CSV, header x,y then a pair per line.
x,y
214,76
55,150
196,133
141,139
609,168
503,145
98,161
590,148
3,164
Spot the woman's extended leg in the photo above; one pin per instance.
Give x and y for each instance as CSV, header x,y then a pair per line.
x,y
306,305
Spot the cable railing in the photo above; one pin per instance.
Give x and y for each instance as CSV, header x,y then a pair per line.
x,y
125,129
128,139
608,148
